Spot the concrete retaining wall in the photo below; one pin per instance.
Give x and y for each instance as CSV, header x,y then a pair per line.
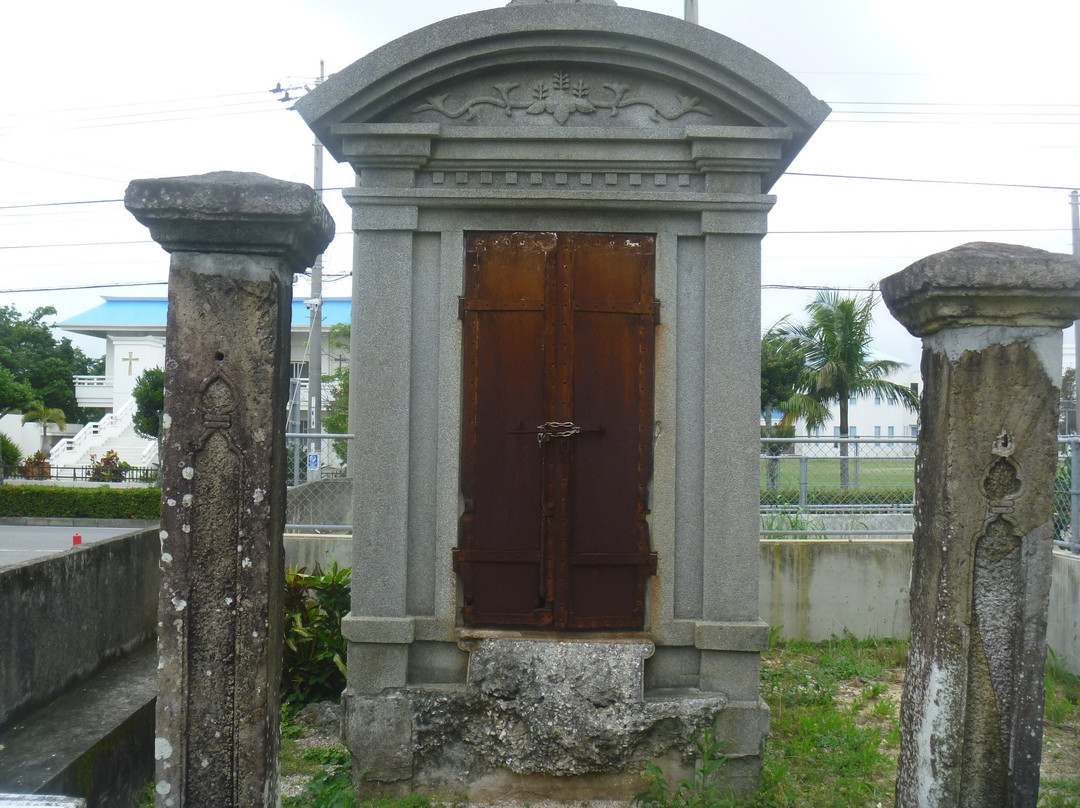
x,y
65,616
811,590
1063,626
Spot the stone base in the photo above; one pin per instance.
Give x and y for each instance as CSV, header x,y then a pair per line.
x,y
552,720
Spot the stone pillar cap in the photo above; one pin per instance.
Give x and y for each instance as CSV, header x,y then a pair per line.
x,y
233,212
550,2
985,283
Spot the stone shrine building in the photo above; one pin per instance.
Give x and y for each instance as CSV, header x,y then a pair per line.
x,y
558,214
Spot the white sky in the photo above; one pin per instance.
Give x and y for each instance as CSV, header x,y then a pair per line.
x,y
100,93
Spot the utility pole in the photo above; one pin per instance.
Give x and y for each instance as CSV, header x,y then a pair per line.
x,y
691,11
1074,201
314,304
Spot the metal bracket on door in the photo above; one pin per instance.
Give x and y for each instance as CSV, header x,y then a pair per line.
x,y
555,429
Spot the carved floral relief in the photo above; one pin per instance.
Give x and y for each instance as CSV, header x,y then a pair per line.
x,y
562,98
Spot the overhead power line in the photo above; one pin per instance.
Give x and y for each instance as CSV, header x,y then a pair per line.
x,y
934,182
84,287
868,178
913,232
58,204
74,244
772,232
781,286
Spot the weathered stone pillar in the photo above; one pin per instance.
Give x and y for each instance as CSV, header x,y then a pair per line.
x,y
990,316
235,240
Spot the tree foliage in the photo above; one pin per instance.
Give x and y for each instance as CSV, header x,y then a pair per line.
x,y
38,413
336,418
782,364
1067,416
839,365
37,367
149,395
835,342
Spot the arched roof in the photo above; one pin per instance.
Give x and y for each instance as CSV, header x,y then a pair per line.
x,y
565,65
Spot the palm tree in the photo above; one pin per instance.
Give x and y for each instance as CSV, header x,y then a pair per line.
x,y
838,364
43,415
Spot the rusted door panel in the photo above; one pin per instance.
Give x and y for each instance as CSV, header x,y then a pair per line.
x,y
558,329
505,331
613,312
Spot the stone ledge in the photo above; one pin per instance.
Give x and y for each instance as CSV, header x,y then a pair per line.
x,y
379,630
732,636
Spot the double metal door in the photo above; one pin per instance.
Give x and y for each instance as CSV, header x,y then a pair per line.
x,y
557,429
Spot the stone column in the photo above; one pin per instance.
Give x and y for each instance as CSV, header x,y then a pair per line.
x,y
235,240
990,316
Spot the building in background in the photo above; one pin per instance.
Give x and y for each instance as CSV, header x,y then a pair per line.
x,y
134,332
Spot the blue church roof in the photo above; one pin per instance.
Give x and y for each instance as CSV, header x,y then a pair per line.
x,y
150,314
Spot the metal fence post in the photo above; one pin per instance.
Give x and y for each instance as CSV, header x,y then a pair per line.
x,y
804,465
1074,493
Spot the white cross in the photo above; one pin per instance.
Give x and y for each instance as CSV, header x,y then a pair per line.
x,y
131,359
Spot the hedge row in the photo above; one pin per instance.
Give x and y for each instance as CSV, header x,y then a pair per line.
x,y
80,503
840,496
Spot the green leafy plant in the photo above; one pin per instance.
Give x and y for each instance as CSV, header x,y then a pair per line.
x,y
704,790
36,467
146,799
331,787
775,525
109,469
313,666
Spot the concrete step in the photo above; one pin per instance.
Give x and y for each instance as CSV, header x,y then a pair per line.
x,y
96,741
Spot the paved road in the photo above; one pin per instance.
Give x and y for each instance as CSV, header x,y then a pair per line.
x,y
23,542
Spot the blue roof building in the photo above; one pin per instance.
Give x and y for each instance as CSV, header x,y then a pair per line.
x,y
134,332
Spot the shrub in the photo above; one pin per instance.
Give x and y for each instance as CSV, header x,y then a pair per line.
x,y
36,466
110,469
313,664
840,496
9,454
80,503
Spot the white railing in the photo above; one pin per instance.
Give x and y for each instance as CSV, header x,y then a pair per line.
x,y
92,381
111,426
94,391
149,456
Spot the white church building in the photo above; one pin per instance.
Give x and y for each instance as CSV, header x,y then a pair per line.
x,y
133,329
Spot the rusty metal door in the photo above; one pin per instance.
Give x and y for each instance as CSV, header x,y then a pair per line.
x,y
557,429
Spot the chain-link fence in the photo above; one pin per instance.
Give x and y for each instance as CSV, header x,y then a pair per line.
x,y
865,487
810,487
1067,494
320,491
837,487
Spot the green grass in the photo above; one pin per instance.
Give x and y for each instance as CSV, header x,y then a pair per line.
x,y
825,472
834,733
833,728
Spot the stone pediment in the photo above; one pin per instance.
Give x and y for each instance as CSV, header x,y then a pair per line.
x,y
564,95
583,68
